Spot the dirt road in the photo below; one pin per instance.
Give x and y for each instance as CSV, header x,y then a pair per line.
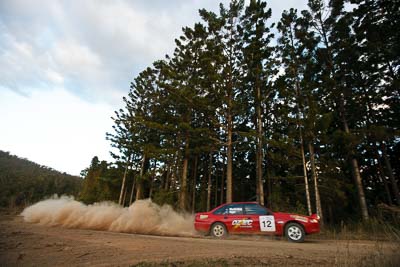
x,y
25,244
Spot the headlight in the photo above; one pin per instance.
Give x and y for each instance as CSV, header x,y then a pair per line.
x,y
313,221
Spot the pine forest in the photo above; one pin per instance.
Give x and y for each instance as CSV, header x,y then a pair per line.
x,y
300,114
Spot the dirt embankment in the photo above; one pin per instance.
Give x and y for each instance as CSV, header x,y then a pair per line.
x,y
26,244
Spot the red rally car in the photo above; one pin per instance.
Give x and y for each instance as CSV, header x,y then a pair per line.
x,y
252,218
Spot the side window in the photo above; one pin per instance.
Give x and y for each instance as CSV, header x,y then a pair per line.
x,y
220,211
235,209
231,209
255,209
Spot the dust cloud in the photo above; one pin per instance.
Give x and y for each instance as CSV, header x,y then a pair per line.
x,y
142,217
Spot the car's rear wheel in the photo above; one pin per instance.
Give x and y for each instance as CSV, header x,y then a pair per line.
x,y
294,232
218,230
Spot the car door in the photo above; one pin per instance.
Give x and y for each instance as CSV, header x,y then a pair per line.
x,y
235,219
262,219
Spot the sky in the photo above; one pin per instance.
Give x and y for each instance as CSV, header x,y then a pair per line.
x,y
65,66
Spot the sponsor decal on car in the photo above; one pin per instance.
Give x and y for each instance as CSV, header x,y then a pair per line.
x,y
235,210
245,223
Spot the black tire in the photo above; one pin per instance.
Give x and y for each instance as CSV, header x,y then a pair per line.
x,y
294,232
218,230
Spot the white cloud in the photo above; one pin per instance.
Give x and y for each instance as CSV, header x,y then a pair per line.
x,y
54,77
74,60
56,129
94,48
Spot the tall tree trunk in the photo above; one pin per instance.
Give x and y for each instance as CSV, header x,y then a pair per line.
x,y
389,171
300,111
183,189
381,176
139,189
361,195
259,154
124,181
216,192
229,159
229,151
221,199
315,178
194,183
203,186
386,186
152,177
132,190
269,189
174,171
210,161
354,164
303,158
167,178
124,197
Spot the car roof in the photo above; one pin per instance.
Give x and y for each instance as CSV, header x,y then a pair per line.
x,y
243,202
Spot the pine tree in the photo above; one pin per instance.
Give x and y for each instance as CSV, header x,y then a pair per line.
x,y
258,64
323,18
295,56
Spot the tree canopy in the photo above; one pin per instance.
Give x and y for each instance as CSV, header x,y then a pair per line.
x,y
300,114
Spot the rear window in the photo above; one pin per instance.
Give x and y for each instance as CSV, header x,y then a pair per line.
x,y
255,209
221,210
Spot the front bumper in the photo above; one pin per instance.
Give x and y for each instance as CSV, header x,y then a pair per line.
x,y
312,228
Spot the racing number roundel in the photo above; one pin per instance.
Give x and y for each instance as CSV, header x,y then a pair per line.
x,y
267,223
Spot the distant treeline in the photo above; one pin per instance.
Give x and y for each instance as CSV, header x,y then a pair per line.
x,y
23,182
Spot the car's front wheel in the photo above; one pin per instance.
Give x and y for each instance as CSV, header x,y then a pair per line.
x,y
218,230
294,232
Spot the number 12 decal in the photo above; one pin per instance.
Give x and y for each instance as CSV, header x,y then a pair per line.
x,y
267,223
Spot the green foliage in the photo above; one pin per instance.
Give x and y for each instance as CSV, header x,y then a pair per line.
x,y
330,80
23,182
102,182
